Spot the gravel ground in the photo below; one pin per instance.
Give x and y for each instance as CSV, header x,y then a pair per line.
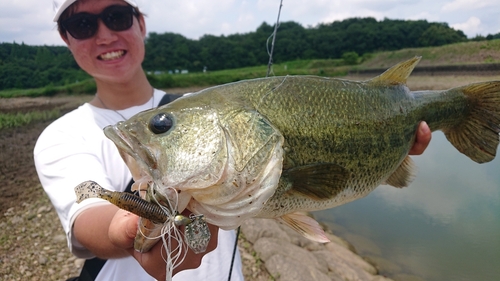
x,y
33,245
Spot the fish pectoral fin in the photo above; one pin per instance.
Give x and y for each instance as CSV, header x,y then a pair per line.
x,y
404,174
397,74
305,225
318,181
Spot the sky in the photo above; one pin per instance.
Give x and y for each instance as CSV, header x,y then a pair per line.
x,y
30,21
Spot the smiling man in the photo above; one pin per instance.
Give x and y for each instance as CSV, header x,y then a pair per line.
x,y
106,38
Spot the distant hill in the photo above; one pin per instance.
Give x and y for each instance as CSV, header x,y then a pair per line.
x,y
463,53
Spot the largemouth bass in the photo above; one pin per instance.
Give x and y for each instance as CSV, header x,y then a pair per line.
x,y
276,147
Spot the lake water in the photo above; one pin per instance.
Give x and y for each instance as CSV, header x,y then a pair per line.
x,y
444,226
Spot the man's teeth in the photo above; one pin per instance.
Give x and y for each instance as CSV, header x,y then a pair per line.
x,y
112,55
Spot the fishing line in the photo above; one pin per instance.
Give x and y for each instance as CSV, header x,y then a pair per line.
x,y
173,261
270,53
169,233
174,233
269,65
234,253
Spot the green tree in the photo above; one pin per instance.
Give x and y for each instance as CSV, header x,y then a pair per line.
x,y
440,34
350,58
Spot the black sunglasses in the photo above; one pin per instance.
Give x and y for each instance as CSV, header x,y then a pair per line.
x,y
84,25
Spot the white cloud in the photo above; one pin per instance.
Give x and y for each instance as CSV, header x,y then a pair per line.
x,y
467,5
27,21
471,27
31,20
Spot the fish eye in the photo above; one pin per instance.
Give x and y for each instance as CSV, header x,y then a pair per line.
x,y
160,123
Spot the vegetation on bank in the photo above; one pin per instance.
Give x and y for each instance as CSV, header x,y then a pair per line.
x,y
475,52
11,120
84,87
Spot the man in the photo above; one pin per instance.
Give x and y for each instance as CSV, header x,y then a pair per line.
x,y
106,38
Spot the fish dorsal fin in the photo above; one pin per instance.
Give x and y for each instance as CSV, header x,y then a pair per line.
x,y
404,174
318,181
305,225
397,74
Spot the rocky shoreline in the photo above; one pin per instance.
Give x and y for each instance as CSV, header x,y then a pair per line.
x,y
286,255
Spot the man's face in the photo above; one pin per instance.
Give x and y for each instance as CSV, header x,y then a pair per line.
x,y
111,56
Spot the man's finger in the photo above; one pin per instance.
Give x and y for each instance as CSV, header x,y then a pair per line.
x,y
422,139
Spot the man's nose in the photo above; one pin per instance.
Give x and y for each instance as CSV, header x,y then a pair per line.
x,y
104,35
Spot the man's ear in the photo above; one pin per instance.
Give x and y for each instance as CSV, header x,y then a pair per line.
x,y
142,25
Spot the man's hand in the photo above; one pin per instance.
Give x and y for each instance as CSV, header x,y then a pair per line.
x,y
422,139
122,232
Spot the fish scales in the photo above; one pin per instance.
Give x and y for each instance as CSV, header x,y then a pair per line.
x,y
275,147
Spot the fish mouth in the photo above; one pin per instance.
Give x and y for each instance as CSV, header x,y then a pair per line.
x,y
129,145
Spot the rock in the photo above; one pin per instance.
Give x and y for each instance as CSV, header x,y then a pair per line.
x,y
65,271
9,211
59,238
257,228
289,269
79,263
246,256
44,209
42,260
269,247
22,269
380,278
350,258
16,220
341,269
339,241
384,265
364,243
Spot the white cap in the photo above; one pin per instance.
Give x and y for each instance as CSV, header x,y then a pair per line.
x,y
61,8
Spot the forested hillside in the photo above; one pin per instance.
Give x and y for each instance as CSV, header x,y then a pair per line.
x,y
361,35
23,66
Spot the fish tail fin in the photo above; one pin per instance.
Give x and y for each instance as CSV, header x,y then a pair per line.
x,y
88,189
477,135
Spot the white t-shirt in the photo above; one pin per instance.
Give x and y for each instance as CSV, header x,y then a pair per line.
x,y
74,149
